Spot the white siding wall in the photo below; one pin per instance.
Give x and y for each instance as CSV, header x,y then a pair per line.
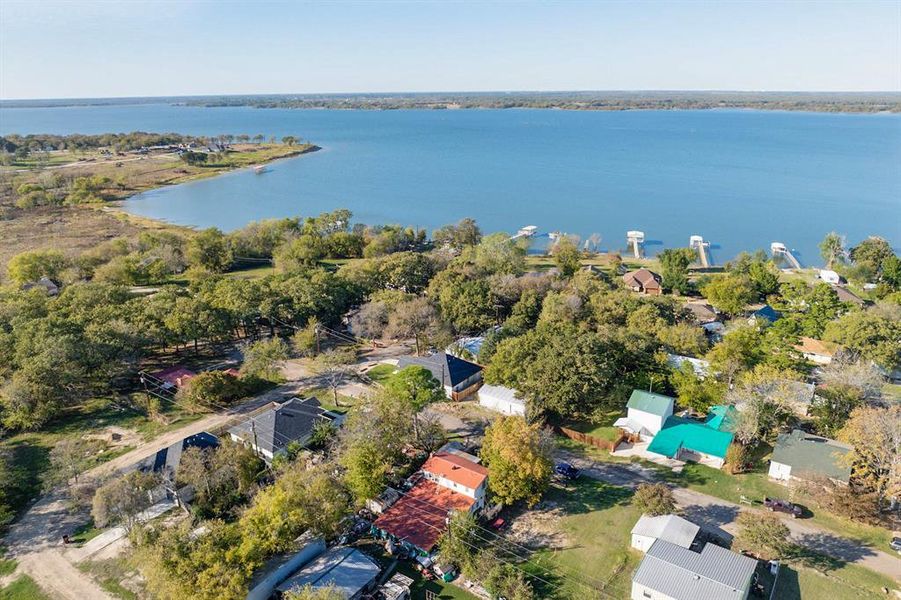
x,y
642,542
818,358
780,471
641,592
502,406
653,423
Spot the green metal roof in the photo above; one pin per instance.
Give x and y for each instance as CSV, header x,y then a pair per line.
x,y
721,417
692,435
656,404
812,454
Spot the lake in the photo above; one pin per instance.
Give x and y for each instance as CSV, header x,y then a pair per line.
x,y
741,179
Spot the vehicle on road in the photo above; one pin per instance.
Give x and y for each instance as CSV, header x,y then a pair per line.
x,y
776,505
566,470
896,544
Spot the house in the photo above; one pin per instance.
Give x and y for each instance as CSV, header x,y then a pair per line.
x,y
347,570
702,312
44,283
501,399
830,276
165,463
646,413
707,442
800,455
699,366
644,281
846,295
454,472
817,351
670,528
460,378
670,572
270,432
764,316
447,483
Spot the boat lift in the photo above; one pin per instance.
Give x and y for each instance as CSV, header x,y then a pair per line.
x,y
697,242
635,239
781,250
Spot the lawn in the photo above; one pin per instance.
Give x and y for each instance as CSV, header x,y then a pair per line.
x,y
381,373
847,582
85,533
7,565
600,428
23,588
597,520
109,574
327,400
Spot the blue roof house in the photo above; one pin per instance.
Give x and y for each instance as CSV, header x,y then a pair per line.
x,y
697,441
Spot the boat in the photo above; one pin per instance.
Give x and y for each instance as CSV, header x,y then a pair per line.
x,y
259,169
527,231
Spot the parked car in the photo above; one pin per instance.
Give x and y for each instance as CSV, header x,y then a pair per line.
x,y
896,544
776,505
566,470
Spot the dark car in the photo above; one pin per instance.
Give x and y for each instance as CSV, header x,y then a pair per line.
x,y
896,544
566,470
776,505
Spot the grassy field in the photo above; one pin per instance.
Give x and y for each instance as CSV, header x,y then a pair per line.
x,y
23,588
845,582
597,521
108,574
381,373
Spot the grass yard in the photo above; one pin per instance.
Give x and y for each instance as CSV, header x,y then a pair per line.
x,y
109,574
848,582
7,565
442,590
597,520
23,588
85,533
327,400
381,373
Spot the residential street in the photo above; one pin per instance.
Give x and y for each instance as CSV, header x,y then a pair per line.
x,y
714,513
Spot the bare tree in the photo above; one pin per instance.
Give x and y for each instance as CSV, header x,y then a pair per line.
x,y
121,500
415,318
334,366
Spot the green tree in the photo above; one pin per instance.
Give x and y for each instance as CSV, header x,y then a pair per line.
x,y
874,334
519,459
738,351
875,438
675,263
416,387
211,389
261,359
209,249
567,257
308,592
34,264
763,535
871,253
695,392
300,253
729,293
832,249
654,499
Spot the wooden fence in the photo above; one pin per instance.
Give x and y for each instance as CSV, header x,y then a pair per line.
x,y
592,440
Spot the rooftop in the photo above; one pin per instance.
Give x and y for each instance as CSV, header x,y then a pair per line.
x,y
670,528
812,454
347,569
681,574
445,367
642,277
656,404
419,517
456,468
710,437
290,421
813,346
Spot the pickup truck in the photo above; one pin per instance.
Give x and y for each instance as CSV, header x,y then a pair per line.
x,y
776,505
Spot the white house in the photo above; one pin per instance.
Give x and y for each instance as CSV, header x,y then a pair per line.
x,y
671,528
801,455
458,474
501,399
830,276
817,351
646,414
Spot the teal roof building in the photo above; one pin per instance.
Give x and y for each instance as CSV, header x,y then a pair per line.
x,y
655,404
689,439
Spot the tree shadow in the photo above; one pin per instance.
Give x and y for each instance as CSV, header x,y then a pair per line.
x,y
826,552
586,496
711,518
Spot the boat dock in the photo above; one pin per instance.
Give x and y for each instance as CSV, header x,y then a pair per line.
x,y
781,250
635,239
697,242
525,232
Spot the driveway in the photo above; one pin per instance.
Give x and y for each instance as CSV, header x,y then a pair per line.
x,y
716,514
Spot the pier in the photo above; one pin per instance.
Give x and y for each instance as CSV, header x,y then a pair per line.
x,y
697,242
635,239
779,249
526,232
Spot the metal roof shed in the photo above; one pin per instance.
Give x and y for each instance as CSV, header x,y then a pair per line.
x,y
350,571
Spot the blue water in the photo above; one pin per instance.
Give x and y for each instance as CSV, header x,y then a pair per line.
x,y
741,179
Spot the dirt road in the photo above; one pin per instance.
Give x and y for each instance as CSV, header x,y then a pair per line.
x,y
59,578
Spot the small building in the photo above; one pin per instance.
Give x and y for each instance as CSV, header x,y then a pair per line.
x,y
703,312
383,501
646,413
644,281
688,439
764,316
501,399
670,572
800,455
396,588
830,276
345,569
846,295
174,378
460,378
270,432
459,474
670,528
699,366
817,351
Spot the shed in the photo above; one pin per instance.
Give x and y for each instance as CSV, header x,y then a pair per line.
x,y
671,528
646,413
501,399
348,570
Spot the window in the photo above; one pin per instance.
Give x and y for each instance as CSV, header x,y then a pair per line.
x,y
646,594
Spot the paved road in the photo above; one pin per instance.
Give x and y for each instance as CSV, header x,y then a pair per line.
x,y
720,515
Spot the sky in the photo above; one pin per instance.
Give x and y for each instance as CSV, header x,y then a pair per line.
x,y
90,49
